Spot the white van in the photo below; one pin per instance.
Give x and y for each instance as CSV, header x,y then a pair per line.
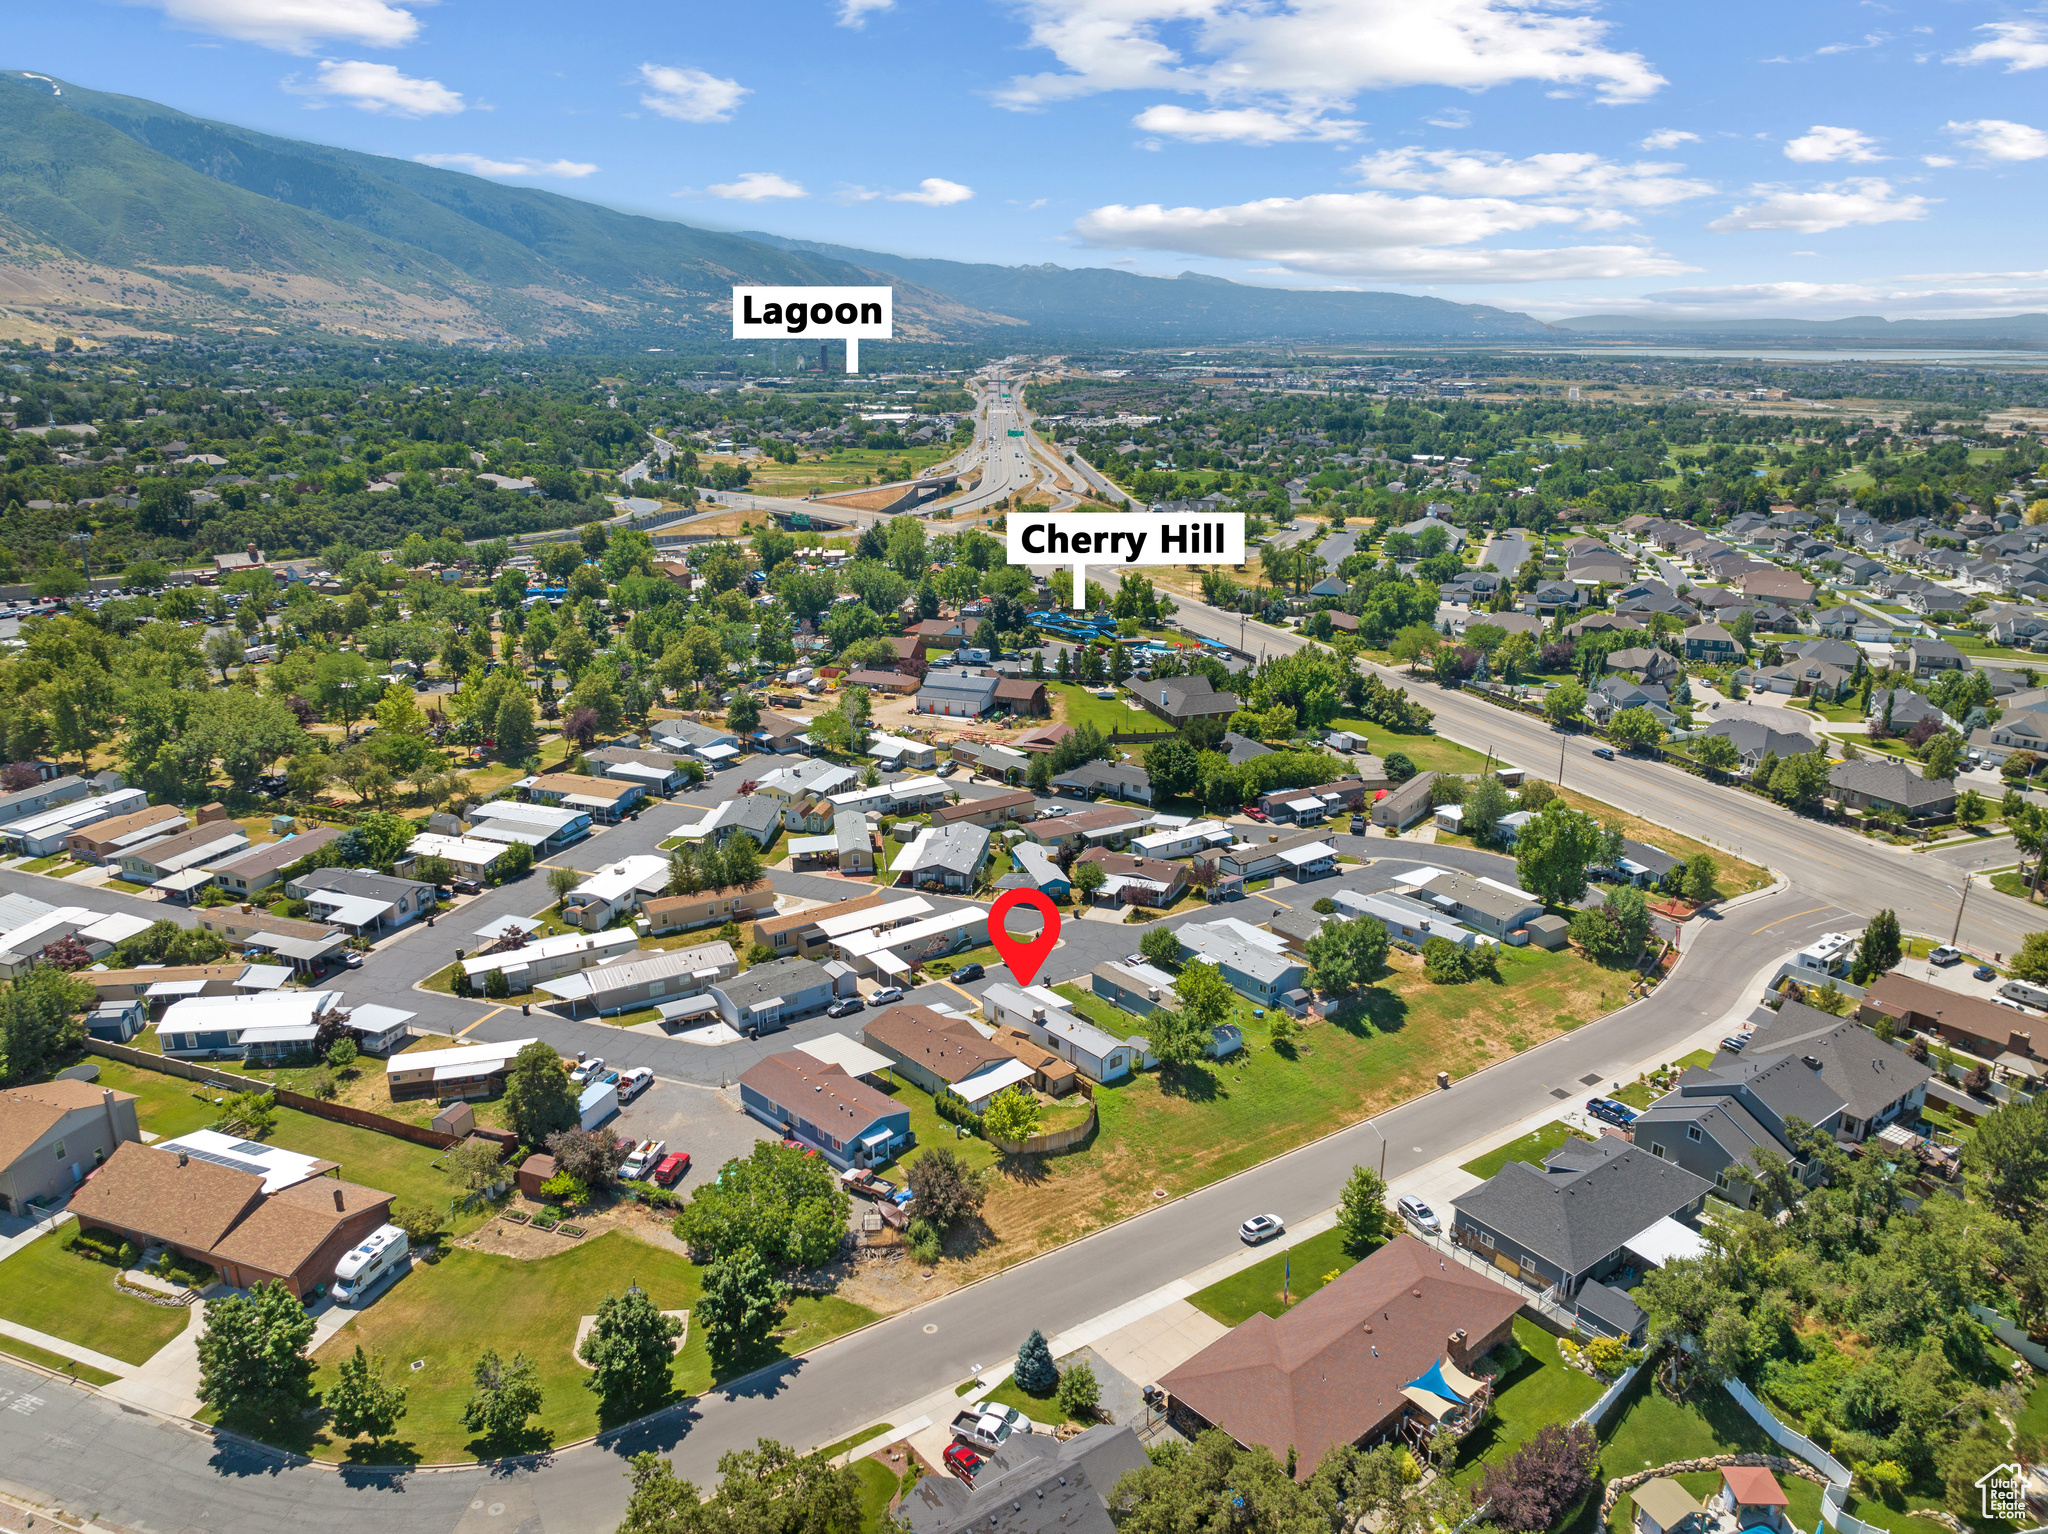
x,y
2026,992
366,1268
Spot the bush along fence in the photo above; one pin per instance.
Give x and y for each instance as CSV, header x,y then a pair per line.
x,y
339,1113
1048,1144
1833,1474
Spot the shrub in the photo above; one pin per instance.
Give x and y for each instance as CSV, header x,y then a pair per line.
x,y
496,986
1551,1471
1325,906
1079,1394
569,1189
321,1084
1610,1355
923,1237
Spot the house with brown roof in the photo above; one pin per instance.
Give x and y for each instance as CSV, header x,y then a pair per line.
x,y
819,1105
1021,695
1051,1074
1778,585
1384,1351
910,653
940,1053
131,984
1132,880
901,683
221,1216
52,1135
109,838
258,868
1043,738
798,935
1975,1023
992,811
1108,825
709,908
603,799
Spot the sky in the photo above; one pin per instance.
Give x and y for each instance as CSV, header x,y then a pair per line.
x,y
1815,159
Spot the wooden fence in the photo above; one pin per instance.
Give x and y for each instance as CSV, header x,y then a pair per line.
x,y
339,1113
1058,1140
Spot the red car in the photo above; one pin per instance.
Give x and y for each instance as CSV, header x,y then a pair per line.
x,y
1256,814
962,1461
671,1169
808,1150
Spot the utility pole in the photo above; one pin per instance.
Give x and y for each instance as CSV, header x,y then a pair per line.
x,y
1958,931
1560,764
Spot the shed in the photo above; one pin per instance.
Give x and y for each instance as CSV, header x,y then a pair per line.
x,y
1547,931
533,1171
1608,1312
457,1119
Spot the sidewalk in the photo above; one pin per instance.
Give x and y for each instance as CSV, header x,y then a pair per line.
x,y
65,1349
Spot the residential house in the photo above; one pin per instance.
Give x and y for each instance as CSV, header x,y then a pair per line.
x,y
47,795
1022,695
537,959
605,800
254,871
466,1071
963,695
1571,1220
712,743
990,759
1649,666
1486,905
1184,841
899,684
1878,1083
1877,787
1277,855
777,733
709,908
1117,780
943,857
1720,1117
1257,964
1798,678
1778,585
1136,881
2013,732
991,811
628,985
1033,1484
1930,657
615,890
1977,1024
754,815
108,839
1711,643
1902,708
1380,1353
810,779
546,830
468,857
178,862
1041,1014
799,935
1108,825
1036,871
771,996
252,1226
1409,922
1049,1073
164,981
1342,795
1044,738
819,1105
938,1053
654,771
262,1027
54,1133
361,902
1400,808
1182,698
894,753
1755,740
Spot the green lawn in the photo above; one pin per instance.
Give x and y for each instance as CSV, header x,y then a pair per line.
x,y
878,1484
1544,1389
1430,753
446,1314
1257,1289
1043,1409
73,1296
1078,705
1638,1093
975,1153
855,1440
167,1107
30,1353
1531,1148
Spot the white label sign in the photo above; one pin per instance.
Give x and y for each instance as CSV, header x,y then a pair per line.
x,y
848,314
1083,538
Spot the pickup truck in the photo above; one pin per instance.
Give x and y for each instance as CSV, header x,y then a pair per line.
x,y
988,1427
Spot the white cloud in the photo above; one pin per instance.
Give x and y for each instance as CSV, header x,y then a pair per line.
x,y
479,165
1667,138
1895,298
1996,139
1567,177
1244,125
2017,44
1371,234
1836,206
1819,145
1451,117
1870,40
935,192
296,26
855,13
757,186
690,95
379,88
1939,161
1315,55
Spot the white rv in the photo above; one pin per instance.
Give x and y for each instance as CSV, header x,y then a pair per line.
x,y
366,1268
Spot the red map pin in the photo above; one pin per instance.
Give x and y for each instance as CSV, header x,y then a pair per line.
x,y
1022,956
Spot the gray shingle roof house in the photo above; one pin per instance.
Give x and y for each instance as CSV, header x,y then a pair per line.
x,y
773,995
1908,708
757,815
1181,698
1877,1082
1119,780
1033,1484
1753,738
1720,1117
1570,1219
1879,786
1403,806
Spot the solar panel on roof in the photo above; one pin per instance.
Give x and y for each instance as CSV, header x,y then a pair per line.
x,y
232,1163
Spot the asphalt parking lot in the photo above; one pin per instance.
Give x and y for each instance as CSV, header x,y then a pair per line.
x,y
694,1119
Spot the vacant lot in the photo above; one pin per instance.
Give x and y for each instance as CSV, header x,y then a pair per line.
x,y
1077,705
445,1316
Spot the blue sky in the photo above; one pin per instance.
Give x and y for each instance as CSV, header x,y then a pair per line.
x,y
1828,158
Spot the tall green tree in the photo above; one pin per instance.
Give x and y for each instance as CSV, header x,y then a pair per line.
x,y
40,1022
1362,1212
1344,955
252,1356
1881,947
1553,851
738,1306
631,1353
539,1099
362,1402
784,1204
504,1395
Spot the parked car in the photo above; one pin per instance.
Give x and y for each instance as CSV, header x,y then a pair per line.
x,y
634,1082
1983,972
947,769
968,972
586,1069
989,1426
962,1461
1420,1214
1735,1043
1134,958
1260,1227
1944,956
466,887
888,996
1358,825
1605,753
1255,813
352,959
643,1158
670,1171
1608,1111
845,1007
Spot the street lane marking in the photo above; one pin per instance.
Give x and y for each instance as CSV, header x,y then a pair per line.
x,y
1783,919
481,1021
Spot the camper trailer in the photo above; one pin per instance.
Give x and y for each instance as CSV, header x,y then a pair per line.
x,y
365,1269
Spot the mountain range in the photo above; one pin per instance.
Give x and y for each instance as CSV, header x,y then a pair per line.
x,y
121,215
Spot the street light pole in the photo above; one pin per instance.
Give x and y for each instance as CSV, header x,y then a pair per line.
x,y
1964,901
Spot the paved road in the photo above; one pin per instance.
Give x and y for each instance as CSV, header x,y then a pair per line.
x,y
1826,860
91,1456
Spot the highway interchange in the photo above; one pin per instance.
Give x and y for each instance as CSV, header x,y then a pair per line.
x,y
62,1446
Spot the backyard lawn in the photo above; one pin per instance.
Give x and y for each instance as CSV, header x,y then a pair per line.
x,y
878,1484
1429,753
446,1315
1544,1389
1077,705
1532,1148
73,1296
1257,1289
